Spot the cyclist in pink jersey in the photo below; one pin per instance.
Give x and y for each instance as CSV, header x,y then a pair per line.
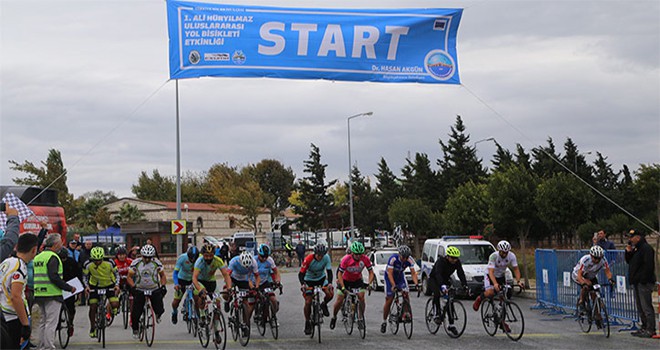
x,y
349,277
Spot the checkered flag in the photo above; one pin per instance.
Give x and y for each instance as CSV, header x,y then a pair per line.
x,y
397,236
24,211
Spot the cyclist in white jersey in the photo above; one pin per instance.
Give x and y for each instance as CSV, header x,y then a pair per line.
x,y
584,273
495,273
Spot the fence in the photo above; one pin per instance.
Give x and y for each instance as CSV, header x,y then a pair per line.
x,y
557,293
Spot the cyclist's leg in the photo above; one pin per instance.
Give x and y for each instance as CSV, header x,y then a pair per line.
x,y
114,301
157,303
93,306
389,297
338,303
136,312
307,309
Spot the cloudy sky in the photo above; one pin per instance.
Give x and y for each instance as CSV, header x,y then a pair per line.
x,y
90,78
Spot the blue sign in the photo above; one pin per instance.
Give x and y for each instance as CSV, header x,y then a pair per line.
x,y
386,45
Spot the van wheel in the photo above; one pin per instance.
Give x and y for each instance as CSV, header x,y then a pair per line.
x,y
425,286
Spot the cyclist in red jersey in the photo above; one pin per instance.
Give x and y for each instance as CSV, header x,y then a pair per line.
x,y
123,262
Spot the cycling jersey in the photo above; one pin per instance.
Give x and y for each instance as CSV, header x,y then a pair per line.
x,y
207,271
241,273
102,275
495,261
589,267
122,266
146,274
352,269
315,270
12,270
184,267
266,269
398,267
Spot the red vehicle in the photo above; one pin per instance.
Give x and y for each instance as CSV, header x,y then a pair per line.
x,y
45,206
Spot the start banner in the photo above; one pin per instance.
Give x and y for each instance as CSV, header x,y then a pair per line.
x,y
380,45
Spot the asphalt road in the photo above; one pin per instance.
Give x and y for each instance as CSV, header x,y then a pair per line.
x,y
541,331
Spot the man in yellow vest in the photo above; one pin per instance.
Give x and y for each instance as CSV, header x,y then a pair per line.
x,y
48,286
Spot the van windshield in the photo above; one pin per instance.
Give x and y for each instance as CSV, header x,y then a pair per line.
x,y
475,254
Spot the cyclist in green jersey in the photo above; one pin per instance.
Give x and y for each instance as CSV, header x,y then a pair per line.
x,y
100,274
204,274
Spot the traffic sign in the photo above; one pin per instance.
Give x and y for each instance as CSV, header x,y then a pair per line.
x,y
179,227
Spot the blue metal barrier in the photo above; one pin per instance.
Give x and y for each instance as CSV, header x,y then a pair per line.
x,y
556,291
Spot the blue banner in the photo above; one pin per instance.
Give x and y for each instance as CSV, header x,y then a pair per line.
x,y
387,45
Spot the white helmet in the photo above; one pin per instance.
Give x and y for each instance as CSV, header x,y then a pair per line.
x,y
503,246
246,259
148,251
597,251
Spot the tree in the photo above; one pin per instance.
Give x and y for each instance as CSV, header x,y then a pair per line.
x,y
155,188
502,158
195,188
414,215
314,196
605,181
51,175
466,209
388,189
522,158
364,203
459,163
276,181
128,214
420,181
546,160
647,190
576,161
89,213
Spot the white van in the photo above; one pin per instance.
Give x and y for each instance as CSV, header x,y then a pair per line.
x,y
240,238
474,258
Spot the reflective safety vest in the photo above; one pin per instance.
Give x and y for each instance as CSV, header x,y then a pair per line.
x,y
43,287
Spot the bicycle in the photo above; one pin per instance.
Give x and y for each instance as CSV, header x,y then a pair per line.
x,y
350,313
588,313
101,315
240,330
450,309
125,303
316,315
64,326
189,311
265,312
216,325
500,312
401,312
147,328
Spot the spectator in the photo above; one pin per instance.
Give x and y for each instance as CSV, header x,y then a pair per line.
x,y
233,251
11,234
71,270
76,237
16,327
30,268
48,286
300,251
84,257
133,253
600,238
224,252
73,252
641,271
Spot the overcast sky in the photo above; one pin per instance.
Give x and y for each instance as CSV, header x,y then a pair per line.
x,y
90,78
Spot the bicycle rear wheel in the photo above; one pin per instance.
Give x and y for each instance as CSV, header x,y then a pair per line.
x,y
429,317
149,324
393,318
318,321
583,317
219,330
456,313
244,328
204,331
513,321
63,327
233,323
407,320
605,321
260,318
362,324
489,317
274,326
124,309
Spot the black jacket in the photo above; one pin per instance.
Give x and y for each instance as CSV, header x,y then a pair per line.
x,y
641,265
442,270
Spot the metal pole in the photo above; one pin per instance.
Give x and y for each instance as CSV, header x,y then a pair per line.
x,y
350,180
179,248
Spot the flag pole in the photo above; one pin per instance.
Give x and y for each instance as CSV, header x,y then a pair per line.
x,y
179,248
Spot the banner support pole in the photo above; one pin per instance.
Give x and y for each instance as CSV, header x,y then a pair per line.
x,y
179,243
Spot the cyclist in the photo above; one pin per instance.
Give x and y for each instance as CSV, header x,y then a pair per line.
x,y
203,277
182,277
395,279
350,276
268,272
584,273
99,273
123,262
241,267
494,278
316,270
146,273
440,279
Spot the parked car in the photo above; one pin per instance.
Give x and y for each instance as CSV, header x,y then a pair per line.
x,y
379,261
474,258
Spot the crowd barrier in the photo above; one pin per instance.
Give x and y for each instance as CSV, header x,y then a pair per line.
x,y
558,294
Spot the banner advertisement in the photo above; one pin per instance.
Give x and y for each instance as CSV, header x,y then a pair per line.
x,y
379,45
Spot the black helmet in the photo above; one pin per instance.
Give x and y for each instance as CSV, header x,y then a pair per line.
x,y
121,250
193,253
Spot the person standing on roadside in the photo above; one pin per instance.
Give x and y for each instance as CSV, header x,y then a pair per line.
x,y
641,271
600,238
71,270
300,251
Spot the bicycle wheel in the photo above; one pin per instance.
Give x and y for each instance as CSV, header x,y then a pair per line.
x,y
605,321
393,318
244,329
489,317
189,317
149,324
63,327
142,327
259,318
125,309
219,330
112,314
583,317
274,326
318,320
312,319
456,313
407,319
347,316
204,331
233,323
513,321
362,325
429,317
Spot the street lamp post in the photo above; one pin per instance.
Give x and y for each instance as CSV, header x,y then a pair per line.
x,y
484,140
350,165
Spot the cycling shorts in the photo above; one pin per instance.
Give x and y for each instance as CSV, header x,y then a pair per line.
x,y
359,284
110,294
183,284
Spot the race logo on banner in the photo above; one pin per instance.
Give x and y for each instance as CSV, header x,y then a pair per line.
x,y
381,45
23,210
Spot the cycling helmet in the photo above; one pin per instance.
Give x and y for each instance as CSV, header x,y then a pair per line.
x,y
320,249
148,251
453,252
193,253
404,251
246,259
597,251
207,248
121,250
264,250
357,248
97,253
503,246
